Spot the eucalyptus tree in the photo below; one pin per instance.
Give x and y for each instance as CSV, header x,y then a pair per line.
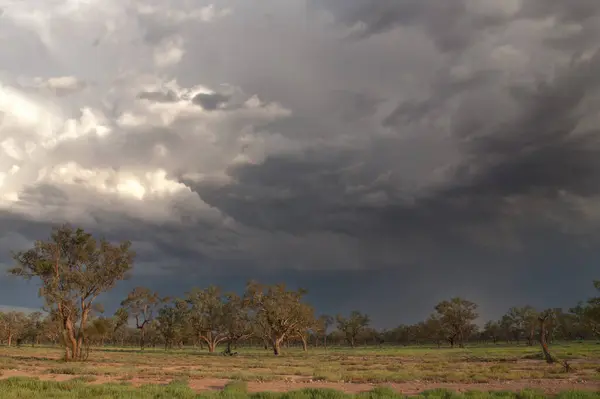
x,y
74,268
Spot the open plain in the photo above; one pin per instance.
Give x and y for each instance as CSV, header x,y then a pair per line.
x,y
504,370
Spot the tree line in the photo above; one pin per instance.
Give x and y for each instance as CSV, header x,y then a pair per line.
x,y
74,268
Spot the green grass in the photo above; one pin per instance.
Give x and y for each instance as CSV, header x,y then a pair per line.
x,y
474,364
21,388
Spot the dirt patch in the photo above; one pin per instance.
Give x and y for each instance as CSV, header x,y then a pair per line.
x,y
409,388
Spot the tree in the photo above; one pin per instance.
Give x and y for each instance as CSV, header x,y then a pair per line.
x,y
352,326
237,322
493,330
543,318
74,268
33,327
141,304
434,329
171,322
102,329
323,324
13,325
457,316
51,327
508,327
525,321
278,312
589,313
207,316
304,328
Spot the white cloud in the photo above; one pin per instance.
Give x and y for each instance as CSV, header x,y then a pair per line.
x,y
75,143
169,52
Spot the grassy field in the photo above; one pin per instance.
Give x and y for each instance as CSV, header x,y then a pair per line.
x,y
29,388
407,370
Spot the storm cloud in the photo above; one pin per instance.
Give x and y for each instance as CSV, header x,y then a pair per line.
x,y
384,148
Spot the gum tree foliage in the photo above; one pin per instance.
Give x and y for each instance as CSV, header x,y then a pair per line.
x,y
33,327
12,326
141,304
74,268
352,326
525,321
588,313
492,330
279,313
433,329
237,320
207,315
323,323
457,316
171,322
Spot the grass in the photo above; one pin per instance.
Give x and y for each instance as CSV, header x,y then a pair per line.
x,y
13,388
367,365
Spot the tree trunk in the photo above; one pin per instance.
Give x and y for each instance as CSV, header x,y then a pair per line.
x,y
531,336
9,342
142,338
81,334
70,341
547,355
276,344
304,343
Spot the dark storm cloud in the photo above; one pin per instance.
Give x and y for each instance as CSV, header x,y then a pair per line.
x,y
535,153
542,149
450,24
572,11
158,96
210,101
444,88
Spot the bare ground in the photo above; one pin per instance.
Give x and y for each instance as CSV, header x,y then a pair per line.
x,y
408,388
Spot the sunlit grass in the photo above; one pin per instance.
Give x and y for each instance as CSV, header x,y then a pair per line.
x,y
35,389
476,364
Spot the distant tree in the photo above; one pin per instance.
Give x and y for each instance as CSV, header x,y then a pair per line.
x,y
304,329
525,320
34,327
237,322
52,328
492,330
588,313
141,304
457,316
507,324
434,330
278,312
352,325
171,321
12,325
207,316
74,268
101,329
322,325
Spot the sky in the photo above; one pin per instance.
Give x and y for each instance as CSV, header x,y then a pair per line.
x,y
385,154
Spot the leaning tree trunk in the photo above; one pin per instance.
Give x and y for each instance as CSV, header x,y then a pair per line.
x,y
547,355
304,343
